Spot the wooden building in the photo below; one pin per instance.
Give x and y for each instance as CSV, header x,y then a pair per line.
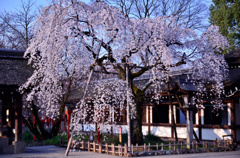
x,y
157,117
207,124
232,88
14,71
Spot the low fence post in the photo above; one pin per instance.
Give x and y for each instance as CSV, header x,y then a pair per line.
x,y
120,147
206,144
94,147
157,146
100,148
149,147
169,146
88,146
113,149
162,147
174,148
106,148
181,145
144,147
125,149
82,145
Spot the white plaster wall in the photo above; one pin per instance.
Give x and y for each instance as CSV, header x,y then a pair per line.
x,y
196,119
116,128
182,118
89,127
161,131
212,134
145,130
105,128
182,132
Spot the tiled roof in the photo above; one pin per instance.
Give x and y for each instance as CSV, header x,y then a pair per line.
x,y
13,67
11,54
233,54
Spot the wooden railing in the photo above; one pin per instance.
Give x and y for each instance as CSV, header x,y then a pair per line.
x,y
158,149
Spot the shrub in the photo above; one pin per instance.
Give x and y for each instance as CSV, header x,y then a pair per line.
x,y
55,140
152,139
27,136
81,137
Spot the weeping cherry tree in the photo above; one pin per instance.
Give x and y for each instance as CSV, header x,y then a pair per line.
x,y
64,51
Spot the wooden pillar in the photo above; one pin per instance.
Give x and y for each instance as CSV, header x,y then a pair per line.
x,y
16,126
146,114
18,117
68,126
170,120
173,121
189,124
98,133
189,127
68,113
34,121
229,113
151,114
232,107
149,120
1,118
200,123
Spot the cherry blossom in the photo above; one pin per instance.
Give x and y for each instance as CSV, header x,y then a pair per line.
x,y
65,50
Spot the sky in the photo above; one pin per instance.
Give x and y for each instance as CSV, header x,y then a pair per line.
x,y
12,5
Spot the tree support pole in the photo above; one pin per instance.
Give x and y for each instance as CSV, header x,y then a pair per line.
x,y
128,109
194,133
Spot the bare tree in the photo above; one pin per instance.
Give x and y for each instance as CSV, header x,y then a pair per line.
x,y
16,27
193,12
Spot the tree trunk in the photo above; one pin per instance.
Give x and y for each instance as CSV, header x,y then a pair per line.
x,y
137,136
56,126
32,129
38,129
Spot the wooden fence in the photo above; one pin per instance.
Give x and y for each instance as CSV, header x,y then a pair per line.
x,y
158,149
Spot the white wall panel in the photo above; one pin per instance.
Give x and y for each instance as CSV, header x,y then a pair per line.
x,y
161,131
212,134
